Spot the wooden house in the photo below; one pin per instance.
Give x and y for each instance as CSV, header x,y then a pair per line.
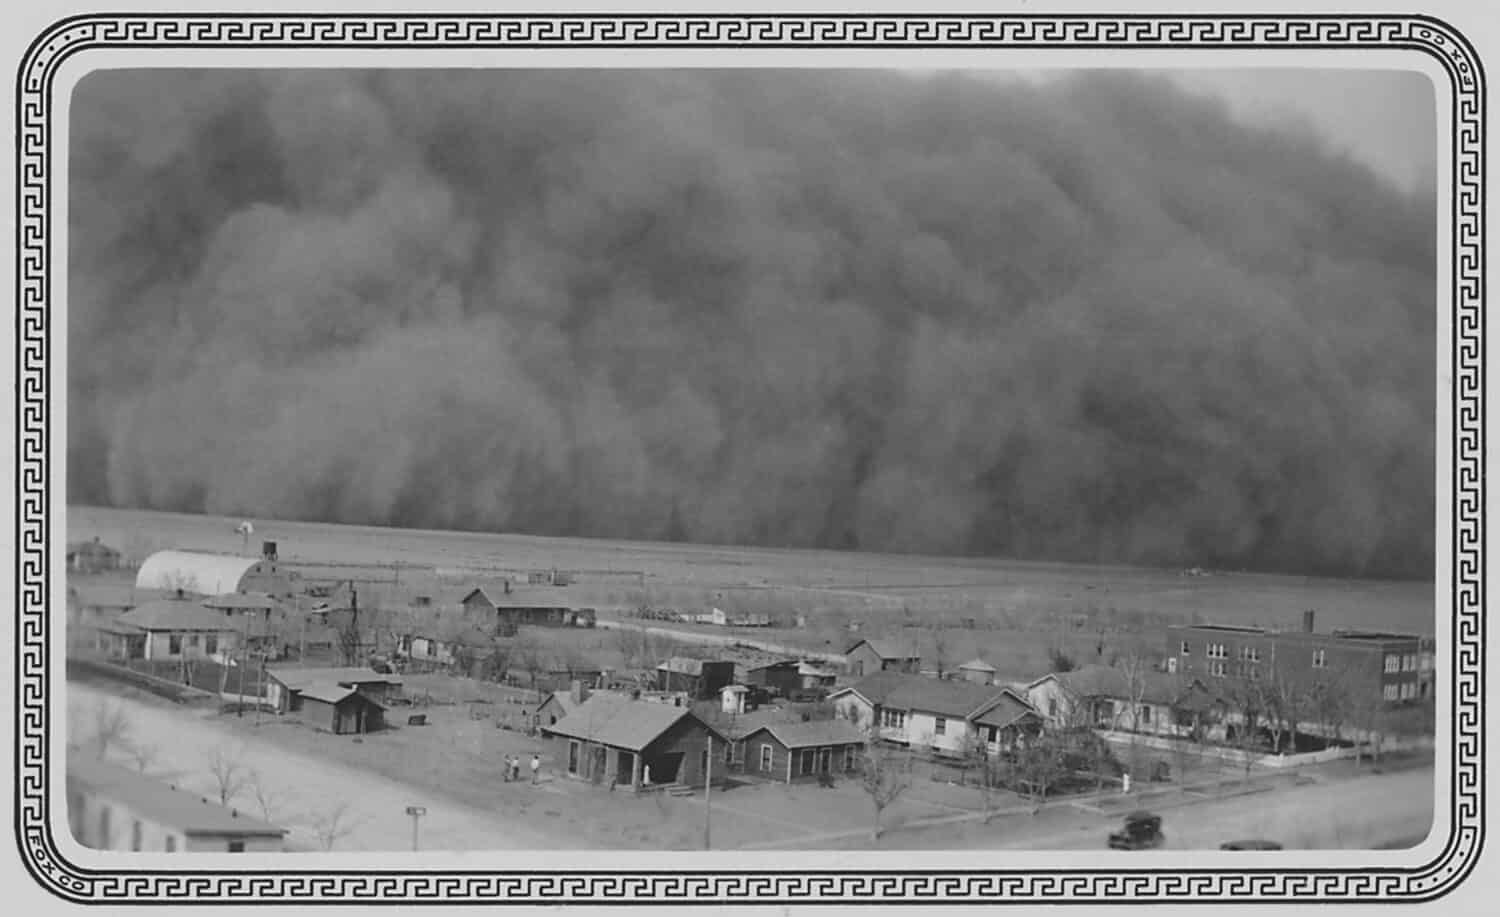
x,y
617,741
340,710
870,656
789,752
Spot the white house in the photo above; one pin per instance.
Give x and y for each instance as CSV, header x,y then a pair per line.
x,y
943,716
1111,698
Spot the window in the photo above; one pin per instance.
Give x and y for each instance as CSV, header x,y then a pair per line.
x,y
135,834
171,843
1393,663
1320,659
808,757
1392,692
236,846
1409,662
1409,690
174,645
1250,653
942,726
1052,705
1425,663
848,757
765,757
1186,648
893,719
211,644
991,734
1216,668
1145,713
1171,665
1216,651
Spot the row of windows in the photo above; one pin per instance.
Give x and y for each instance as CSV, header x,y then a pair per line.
x,y
1218,651
809,756
892,719
210,643
1405,691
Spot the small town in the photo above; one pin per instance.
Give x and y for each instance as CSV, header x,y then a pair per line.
x,y
197,679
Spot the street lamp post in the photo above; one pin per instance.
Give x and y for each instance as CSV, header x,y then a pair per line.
x,y
416,812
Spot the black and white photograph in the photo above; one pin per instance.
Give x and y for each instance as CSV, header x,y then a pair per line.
x,y
736,460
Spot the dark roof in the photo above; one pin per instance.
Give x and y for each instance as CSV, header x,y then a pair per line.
x,y
174,615
237,601
333,694
885,650
901,691
621,722
1006,709
816,732
542,597
1107,681
100,595
296,678
191,814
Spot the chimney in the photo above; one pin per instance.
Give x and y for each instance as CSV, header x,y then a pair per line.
x,y
578,691
507,586
1307,621
268,550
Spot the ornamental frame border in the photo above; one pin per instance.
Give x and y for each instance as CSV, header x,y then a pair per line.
x,y
1332,33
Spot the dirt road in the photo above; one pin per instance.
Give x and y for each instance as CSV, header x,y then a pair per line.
x,y
304,789
1360,813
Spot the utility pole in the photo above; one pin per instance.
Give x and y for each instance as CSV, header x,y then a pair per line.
x,y
260,687
239,709
708,809
416,812
354,621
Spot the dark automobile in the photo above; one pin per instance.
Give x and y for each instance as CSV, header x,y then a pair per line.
x,y
1250,845
1142,831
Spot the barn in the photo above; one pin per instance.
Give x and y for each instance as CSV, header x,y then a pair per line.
x,y
340,710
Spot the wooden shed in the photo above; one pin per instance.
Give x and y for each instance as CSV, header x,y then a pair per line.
x,y
340,710
638,744
789,752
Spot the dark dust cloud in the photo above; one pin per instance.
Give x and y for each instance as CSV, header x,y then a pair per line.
x,y
1094,319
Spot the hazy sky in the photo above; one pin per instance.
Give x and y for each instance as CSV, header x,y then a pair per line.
x,y
1384,118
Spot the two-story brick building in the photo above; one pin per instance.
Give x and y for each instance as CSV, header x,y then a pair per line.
x,y
1398,666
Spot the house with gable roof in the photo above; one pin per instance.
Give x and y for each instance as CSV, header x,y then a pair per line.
x,y
944,716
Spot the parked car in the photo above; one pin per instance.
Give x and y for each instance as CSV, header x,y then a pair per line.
x,y
1142,831
1250,845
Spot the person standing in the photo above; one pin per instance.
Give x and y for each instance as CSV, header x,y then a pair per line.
x,y
536,768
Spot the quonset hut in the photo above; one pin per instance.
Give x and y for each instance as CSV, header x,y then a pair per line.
x,y
202,573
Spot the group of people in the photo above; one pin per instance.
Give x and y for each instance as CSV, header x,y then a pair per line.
x,y
513,768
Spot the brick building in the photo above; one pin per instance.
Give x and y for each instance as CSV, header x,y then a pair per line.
x,y
1399,666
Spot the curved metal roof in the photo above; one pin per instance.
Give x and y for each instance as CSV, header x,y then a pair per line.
x,y
191,571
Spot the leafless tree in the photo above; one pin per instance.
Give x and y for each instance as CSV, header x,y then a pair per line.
x,y
111,727
525,653
267,798
939,649
988,771
334,823
1041,763
885,774
229,775
144,754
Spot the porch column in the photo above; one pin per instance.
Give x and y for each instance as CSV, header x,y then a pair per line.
x,y
635,772
790,755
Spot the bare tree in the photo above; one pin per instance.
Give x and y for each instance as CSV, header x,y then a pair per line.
x,y
988,770
144,755
229,775
525,653
885,774
1041,764
334,823
111,727
939,649
267,798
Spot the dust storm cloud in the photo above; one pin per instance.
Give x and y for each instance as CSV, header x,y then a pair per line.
x,y
1093,319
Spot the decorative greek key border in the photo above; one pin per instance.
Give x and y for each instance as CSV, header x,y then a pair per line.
x,y
34,213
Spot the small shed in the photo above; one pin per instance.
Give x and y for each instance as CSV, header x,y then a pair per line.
x,y
978,671
340,710
92,557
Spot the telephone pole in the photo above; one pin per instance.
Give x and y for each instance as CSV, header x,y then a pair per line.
x,y
708,783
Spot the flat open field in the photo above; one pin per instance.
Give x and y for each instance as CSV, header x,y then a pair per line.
x,y
950,588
